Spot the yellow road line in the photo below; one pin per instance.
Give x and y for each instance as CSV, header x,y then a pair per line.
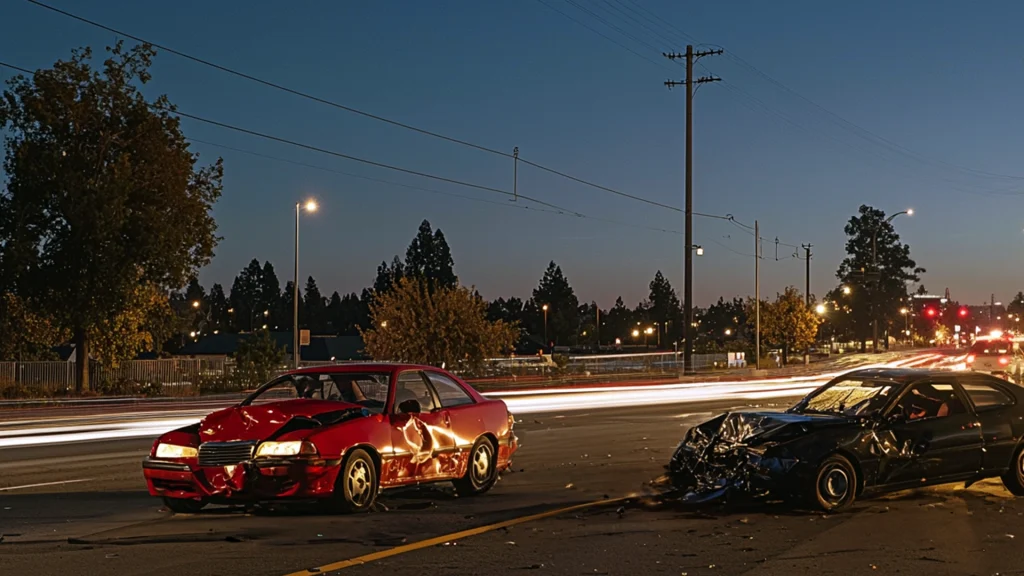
x,y
449,537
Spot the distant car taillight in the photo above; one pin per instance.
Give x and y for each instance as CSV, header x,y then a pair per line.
x,y
1004,360
970,358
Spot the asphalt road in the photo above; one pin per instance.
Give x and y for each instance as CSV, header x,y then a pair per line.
x,y
105,523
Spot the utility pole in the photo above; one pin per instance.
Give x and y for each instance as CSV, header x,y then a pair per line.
x,y
807,292
807,262
757,295
691,57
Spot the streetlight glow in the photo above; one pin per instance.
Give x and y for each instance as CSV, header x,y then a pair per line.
x,y
728,331
636,333
846,290
195,303
700,251
820,309
904,311
544,307
910,211
311,206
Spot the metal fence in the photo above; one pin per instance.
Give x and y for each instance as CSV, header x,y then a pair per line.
x,y
190,376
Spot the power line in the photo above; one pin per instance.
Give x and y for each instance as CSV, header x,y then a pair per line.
x,y
563,212
552,208
350,109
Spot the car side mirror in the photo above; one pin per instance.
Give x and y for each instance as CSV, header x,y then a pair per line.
x,y
410,407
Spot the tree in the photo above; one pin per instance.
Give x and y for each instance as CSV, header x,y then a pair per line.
x,y
430,258
665,309
1016,306
269,297
388,276
256,359
721,323
103,197
619,323
876,287
446,327
220,319
510,311
315,308
24,334
788,322
563,306
137,327
246,296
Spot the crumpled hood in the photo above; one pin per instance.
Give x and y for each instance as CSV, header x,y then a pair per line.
x,y
262,421
755,427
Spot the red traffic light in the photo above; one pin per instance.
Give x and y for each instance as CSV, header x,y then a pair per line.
x,y
963,312
929,312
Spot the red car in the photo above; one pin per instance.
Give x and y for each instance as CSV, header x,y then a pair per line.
x,y
338,434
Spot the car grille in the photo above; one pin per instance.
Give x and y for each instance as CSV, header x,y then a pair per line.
x,y
225,453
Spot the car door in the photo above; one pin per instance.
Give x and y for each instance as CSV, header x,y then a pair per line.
x,y
931,436
466,421
421,435
991,402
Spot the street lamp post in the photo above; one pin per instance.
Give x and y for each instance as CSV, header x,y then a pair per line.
x,y
545,309
310,207
874,265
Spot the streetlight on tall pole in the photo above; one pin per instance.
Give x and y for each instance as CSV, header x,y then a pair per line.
x,y
878,279
545,309
310,206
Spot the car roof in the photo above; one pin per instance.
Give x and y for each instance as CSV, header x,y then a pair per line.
x,y
349,367
900,375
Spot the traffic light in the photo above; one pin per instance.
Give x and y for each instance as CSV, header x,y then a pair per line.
x,y
930,312
963,312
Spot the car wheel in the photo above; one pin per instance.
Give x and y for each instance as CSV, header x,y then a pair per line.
x,y
835,484
481,470
1013,479
183,505
356,488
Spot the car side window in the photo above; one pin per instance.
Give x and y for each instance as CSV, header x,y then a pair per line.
x,y
930,400
985,396
411,386
450,392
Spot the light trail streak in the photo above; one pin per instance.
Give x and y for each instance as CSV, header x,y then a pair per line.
x,y
520,402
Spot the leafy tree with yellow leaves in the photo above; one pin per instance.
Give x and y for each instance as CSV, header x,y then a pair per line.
x,y
442,326
788,322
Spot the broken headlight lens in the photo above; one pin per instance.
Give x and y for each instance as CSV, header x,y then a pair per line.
x,y
175,451
293,448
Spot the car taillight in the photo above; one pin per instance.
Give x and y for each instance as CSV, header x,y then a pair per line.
x,y
1004,360
970,358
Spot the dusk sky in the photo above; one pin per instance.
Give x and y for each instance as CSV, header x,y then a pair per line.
x,y
926,95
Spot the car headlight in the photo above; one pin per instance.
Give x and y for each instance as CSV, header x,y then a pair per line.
x,y
175,451
293,448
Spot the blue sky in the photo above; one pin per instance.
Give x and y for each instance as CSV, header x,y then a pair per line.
x,y
940,83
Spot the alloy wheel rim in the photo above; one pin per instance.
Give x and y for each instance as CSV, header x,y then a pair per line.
x,y
481,464
835,484
359,483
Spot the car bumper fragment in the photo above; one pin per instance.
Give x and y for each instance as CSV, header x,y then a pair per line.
x,y
252,480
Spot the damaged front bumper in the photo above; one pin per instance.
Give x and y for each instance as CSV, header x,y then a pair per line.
x,y
725,458
251,480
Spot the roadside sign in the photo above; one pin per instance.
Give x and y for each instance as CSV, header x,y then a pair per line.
x,y
303,337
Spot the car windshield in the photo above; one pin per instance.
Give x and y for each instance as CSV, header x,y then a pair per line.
x,y
368,389
992,347
848,396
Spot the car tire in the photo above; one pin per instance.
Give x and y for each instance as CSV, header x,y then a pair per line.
x,y
1013,479
357,485
184,505
835,484
481,469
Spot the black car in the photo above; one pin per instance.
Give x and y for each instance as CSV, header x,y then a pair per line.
x,y
865,432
